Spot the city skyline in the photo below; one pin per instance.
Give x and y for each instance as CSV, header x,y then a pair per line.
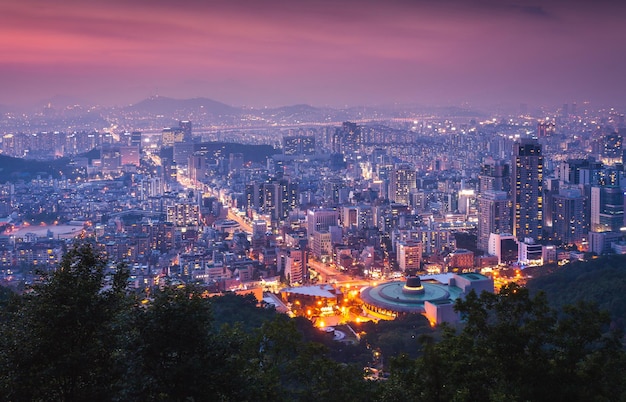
x,y
323,53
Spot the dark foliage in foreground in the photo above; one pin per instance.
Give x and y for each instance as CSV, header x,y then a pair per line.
x,y
601,280
73,339
513,347
80,335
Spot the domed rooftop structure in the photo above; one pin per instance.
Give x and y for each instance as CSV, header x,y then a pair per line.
x,y
388,300
413,286
396,297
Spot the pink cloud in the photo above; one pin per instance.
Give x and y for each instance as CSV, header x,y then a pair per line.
x,y
305,50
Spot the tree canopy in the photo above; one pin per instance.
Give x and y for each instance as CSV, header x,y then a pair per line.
x,y
80,334
513,347
601,280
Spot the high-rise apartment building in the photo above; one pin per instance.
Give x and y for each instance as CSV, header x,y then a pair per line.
x,y
607,208
184,214
569,221
278,198
494,175
318,220
409,255
295,266
366,216
402,183
527,189
347,138
299,145
253,195
494,216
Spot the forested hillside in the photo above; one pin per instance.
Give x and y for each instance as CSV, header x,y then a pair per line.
x,y
601,281
82,335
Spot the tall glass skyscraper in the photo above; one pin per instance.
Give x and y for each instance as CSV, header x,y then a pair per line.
x,y
527,189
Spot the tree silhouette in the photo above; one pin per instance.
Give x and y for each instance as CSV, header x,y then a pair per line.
x,y
514,347
59,340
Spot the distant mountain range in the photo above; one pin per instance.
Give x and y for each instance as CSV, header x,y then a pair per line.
x,y
63,113
161,105
221,112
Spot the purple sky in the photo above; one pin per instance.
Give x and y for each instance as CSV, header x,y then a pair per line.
x,y
354,52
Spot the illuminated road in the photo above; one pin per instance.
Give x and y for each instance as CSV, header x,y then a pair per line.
x,y
327,273
268,124
243,224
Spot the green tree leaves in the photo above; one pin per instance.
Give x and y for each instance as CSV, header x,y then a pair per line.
x,y
514,347
81,336
59,338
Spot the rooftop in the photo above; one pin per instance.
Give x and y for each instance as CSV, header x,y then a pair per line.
x,y
325,291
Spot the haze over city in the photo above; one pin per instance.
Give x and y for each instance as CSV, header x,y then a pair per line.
x,y
291,200
335,53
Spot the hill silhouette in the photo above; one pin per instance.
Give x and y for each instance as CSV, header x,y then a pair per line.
x,y
161,105
16,168
601,281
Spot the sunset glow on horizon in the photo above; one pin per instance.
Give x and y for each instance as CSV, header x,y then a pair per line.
x,y
317,52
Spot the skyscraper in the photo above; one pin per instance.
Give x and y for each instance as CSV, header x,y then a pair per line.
x,y
278,198
494,175
184,214
494,216
527,189
569,223
607,208
402,183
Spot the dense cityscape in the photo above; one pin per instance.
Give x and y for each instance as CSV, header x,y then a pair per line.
x,y
312,201
303,211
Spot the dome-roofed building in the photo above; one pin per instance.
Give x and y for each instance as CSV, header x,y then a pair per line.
x,y
431,295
